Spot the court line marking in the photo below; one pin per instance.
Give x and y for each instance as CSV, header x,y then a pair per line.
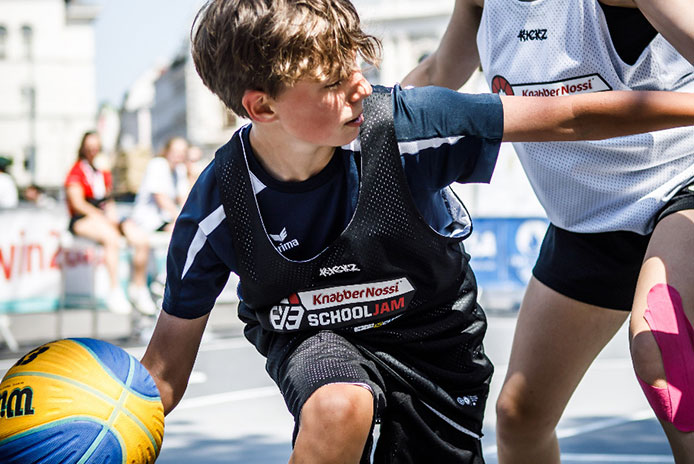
x,y
632,458
228,397
263,392
605,423
593,427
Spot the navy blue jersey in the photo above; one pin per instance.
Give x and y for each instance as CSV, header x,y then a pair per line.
x,y
443,136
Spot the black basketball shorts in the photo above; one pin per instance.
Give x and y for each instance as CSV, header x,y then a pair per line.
x,y
599,268
411,429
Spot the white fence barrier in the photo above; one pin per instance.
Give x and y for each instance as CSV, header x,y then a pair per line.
x,y
43,267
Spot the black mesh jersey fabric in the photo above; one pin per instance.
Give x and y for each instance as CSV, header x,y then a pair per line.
x,y
385,241
433,346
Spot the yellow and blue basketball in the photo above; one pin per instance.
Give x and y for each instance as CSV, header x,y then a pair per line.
x,y
79,400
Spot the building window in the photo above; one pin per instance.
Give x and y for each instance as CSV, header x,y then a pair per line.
x,y
3,42
28,41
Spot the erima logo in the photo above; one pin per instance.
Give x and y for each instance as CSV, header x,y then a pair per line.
x,y
533,34
342,268
280,238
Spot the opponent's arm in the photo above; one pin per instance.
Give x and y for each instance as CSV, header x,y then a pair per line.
x,y
171,354
594,116
456,58
674,19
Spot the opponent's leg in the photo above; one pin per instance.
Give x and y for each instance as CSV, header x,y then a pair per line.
x,y
335,424
661,331
555,341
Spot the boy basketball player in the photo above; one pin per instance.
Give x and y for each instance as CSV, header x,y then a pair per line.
x,y
333,208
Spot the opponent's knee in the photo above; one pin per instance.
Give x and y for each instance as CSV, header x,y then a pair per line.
x,y
646,359
517,419
674,337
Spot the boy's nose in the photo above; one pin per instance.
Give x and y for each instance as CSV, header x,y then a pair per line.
x,y
362,87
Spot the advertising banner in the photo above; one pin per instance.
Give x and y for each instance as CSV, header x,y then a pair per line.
x,y
503,252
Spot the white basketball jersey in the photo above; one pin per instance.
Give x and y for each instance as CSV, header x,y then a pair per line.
x,y
561,47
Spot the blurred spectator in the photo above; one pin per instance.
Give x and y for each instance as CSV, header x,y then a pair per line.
x,y
9,198
194,163
164,188
36,195
93,215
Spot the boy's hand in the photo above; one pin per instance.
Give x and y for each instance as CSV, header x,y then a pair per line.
x,y
171,354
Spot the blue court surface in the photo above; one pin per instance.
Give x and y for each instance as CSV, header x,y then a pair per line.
x,y
233,413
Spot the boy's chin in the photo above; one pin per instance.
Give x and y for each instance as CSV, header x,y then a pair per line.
x,y
347,140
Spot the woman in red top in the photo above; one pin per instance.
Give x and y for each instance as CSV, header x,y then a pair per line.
x,y
93,215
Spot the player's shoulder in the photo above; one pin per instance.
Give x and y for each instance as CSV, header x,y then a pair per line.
x,y
204,197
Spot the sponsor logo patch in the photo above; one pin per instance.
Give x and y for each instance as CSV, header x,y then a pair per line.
x,y
575,85
342,306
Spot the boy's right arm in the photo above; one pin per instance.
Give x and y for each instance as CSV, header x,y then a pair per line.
x,y
456,58
594,116
171,353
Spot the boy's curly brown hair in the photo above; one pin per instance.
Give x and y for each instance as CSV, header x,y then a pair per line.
x,y
269,45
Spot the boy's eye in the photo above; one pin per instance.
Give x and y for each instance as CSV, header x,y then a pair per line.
x,y
334,85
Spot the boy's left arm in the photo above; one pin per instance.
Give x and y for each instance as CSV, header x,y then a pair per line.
x,y
594,116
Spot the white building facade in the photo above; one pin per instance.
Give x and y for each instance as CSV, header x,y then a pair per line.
x,y
47,85
409,30
183,106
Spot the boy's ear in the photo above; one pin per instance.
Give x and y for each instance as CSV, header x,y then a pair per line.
x,y
258,104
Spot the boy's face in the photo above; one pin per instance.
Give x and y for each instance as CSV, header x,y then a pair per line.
x,y
324,113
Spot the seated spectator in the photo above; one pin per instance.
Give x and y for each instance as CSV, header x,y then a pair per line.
x,y
9,197
195,163
93,215
36,195
164,188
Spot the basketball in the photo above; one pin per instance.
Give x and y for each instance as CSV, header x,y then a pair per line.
x,y
79,400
